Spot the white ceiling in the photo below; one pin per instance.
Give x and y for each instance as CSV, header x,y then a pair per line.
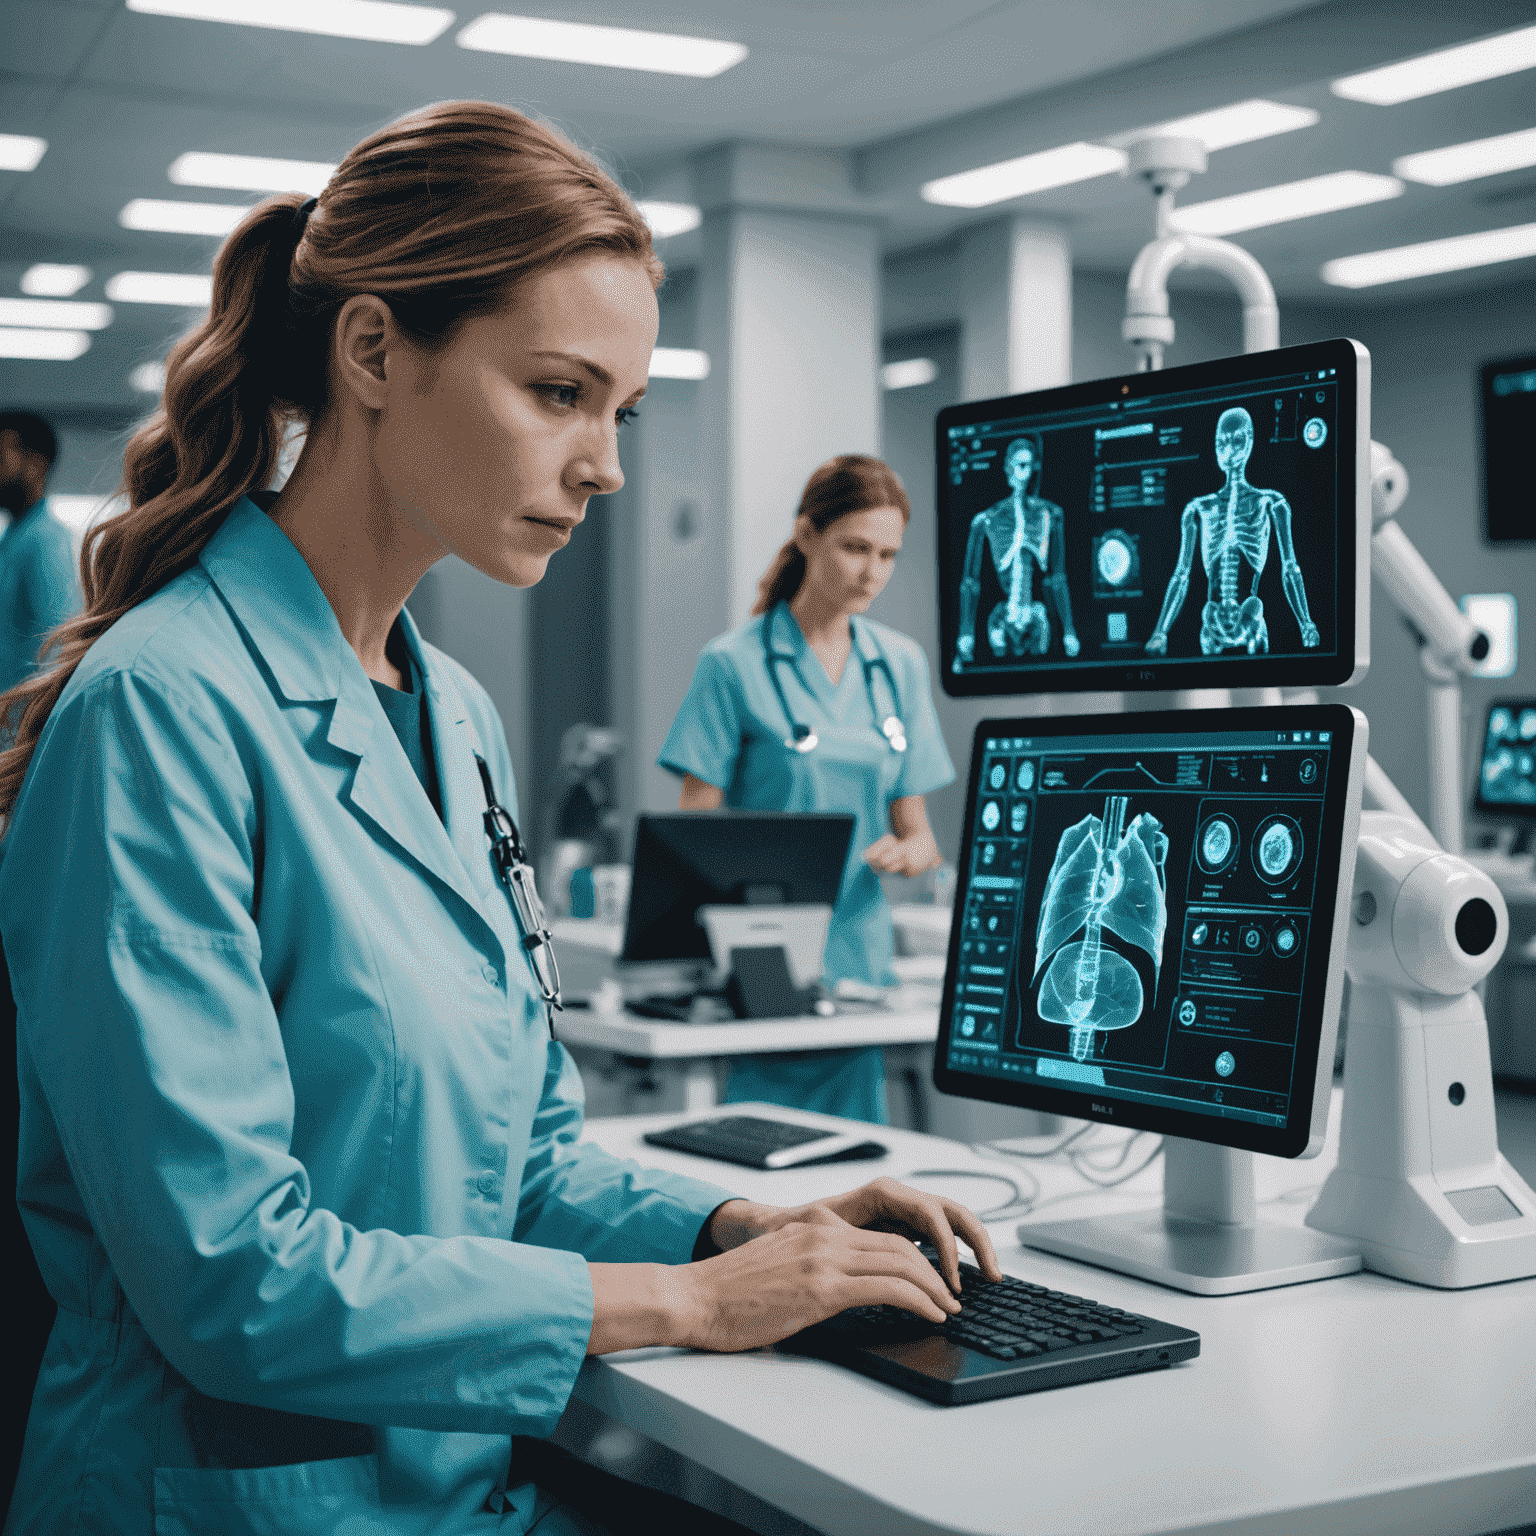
x,y
911,88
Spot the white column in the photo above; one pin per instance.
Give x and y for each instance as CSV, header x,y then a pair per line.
x,y
1016,308
789,315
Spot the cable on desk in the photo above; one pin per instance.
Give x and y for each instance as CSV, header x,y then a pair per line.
x,y
1016,1205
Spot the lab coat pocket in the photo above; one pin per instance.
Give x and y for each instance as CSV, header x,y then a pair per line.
x,y
333,1497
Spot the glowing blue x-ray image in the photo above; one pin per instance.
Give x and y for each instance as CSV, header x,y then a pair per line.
x,y
1218,844
1114,561
991,816
1315,433
1017,813
1233,527
1509,765
1285,940
1277,849
1026,776
1025,537
998,776
1105,875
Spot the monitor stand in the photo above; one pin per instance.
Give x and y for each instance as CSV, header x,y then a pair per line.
x,y
1205,1238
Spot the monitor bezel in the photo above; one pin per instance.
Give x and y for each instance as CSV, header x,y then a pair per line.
x,y
1494,810
1351,659
1323,981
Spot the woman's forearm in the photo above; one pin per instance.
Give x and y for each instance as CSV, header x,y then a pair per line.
x,y
635,1305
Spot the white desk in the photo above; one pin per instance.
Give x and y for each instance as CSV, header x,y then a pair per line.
x,y
694,1048
1359,1405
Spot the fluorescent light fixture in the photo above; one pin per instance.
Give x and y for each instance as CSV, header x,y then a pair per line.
x,y
186,290
44,346
679,363
1291,200
250,173
55,313
574,42
374,21
48,281
1445,70
20,153
909,373
147,378
1029,173
1466,162
1430,257
1221,128
181,218
668,219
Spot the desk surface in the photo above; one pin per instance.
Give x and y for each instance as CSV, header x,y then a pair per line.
x,y
660,1040
1355,1405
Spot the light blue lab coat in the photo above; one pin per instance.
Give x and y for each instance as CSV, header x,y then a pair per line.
x,y
38,588
730,732
298,1158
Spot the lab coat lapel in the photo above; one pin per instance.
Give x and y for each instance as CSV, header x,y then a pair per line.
x,y
277,601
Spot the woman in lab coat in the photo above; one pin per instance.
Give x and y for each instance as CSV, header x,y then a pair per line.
x,y
809,706
299,1158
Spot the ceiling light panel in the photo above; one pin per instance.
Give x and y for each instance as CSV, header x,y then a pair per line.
x,y
1241,123
374,21
181,218
186,290
1466,162
1050,168
43,346
48,280
250,173
571,42
51,313
1291,200
1430,73
668,219
1431,257
679,363
18,152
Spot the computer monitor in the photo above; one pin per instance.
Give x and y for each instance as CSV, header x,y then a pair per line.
x,y
1509,423
1200,527
691,859
1506,777
1150,926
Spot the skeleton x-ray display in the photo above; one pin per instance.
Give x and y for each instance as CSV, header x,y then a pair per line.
x,y
1507,775
1183,530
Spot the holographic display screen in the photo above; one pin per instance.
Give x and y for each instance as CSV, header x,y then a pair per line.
x,y
1152,531
1145,915
1506,778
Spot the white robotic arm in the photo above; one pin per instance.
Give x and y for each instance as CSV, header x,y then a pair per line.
x,y
1420,1184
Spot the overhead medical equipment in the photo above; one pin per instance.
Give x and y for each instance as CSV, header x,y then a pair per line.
x,y
801,737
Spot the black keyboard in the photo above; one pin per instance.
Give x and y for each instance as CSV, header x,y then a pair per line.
x,y
751,1141
1009,1337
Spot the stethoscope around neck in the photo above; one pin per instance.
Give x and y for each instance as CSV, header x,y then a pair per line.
x,y
801,737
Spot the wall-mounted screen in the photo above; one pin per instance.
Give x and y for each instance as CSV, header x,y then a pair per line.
x,y
1509,428
1203,526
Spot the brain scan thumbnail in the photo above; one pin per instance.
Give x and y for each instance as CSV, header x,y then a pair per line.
x,y
1106,875
1218,844
1277,849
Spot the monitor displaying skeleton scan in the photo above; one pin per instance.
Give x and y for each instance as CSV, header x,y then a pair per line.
x,y
1202,526
1506,776
1150,919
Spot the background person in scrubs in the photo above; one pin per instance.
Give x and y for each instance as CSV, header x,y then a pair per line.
x,y
299,1157
729,742
38,589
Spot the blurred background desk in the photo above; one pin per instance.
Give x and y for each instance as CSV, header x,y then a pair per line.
x,y
655,1061
1509,995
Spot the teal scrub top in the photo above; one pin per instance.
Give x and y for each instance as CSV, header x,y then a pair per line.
x,y
731,729
298,1159
730,732
39,589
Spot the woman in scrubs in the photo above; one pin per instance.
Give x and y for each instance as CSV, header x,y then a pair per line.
x,y
809,706
300,1159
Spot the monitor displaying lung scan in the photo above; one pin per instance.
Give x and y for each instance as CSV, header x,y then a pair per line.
x,y
1506,778
1150,919
1203,526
